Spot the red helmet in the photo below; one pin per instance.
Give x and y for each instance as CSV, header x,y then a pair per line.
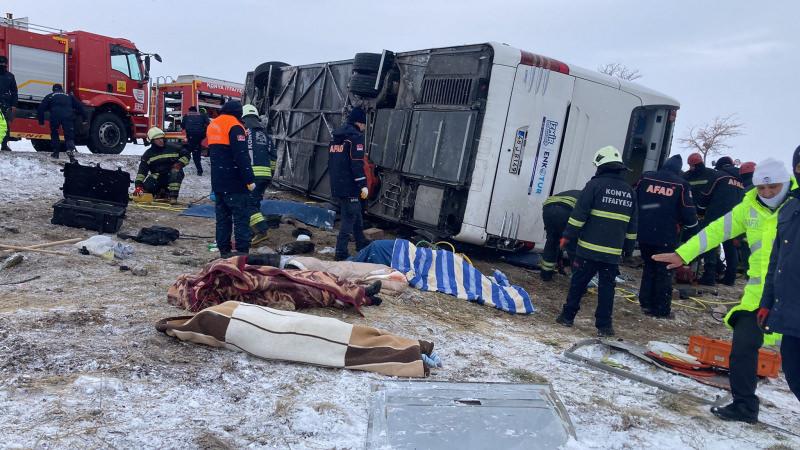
x,y
747,167
695,158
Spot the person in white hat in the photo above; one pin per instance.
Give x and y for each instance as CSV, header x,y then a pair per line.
x,y
757,217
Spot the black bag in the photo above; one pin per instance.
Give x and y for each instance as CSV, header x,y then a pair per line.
x,y
94,198
157,235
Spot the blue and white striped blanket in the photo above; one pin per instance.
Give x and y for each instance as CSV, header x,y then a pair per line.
x,y
443,271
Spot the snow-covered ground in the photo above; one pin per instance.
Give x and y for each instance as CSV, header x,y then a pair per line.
x,y
81,364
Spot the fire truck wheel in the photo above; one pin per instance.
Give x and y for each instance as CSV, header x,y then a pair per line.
x,y
363,85
107,134
261,73
41,145
366,63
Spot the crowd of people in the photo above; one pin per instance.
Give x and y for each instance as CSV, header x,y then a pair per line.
x,y
754,205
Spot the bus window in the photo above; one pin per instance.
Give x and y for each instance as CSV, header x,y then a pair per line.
x,y
649,140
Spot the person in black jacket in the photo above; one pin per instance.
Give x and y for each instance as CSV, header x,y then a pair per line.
x,y
259,143
195,125
348,180
700,178
61,108
232,178
555,213
604,224
8,99
746,175
779,310
161,167
665,204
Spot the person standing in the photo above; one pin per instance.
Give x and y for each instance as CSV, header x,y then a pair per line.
x,y
259,143
700,178
665,204
604,224
746,174
348,180
757,217
161,167
8,99
194,124
232,179
555,213
62,108
725,192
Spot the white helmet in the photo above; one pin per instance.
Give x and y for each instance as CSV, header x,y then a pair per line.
x,y
607,155
249,110
155,133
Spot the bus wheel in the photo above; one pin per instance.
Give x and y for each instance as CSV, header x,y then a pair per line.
x,y
107,134
41,145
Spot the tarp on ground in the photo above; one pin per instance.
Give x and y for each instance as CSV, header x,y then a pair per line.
x,y
314,216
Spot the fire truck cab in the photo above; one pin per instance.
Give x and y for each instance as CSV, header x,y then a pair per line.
x,y
171,100
108,75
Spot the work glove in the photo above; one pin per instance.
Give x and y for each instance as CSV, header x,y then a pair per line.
x,y
761,317
562,244
138,191
251,186
364,193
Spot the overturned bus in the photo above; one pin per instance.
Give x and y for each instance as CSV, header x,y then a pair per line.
x,y
463,142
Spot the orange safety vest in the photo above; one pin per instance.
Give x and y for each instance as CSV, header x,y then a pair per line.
x,y
218,131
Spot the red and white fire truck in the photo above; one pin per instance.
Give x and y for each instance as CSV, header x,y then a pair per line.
x,y
170,100
108,75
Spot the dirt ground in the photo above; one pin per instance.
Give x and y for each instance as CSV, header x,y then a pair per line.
x,y
81,364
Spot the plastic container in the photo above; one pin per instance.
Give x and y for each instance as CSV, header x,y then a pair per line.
x,y
717,353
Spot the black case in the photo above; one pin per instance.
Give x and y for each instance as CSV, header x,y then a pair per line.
x,y
94,198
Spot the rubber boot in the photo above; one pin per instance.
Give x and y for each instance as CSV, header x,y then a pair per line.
x,y
734,413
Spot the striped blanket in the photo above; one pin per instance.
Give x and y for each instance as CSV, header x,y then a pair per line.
x,y
443,271
290,336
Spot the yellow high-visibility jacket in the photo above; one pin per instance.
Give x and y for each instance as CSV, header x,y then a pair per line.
x,y
3,127
760,224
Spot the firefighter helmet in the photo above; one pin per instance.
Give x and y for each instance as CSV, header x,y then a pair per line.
x,y
607,155
155,133
249,110
695,159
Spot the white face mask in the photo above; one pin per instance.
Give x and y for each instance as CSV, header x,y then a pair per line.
x,y
776,201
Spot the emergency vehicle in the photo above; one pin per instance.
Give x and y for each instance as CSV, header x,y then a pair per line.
x,y
108,75
467,142
170,100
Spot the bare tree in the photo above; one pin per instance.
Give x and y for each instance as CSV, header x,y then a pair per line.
x,y
620,71
711,138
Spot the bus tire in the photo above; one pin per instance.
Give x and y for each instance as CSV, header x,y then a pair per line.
x,y
107,134
367,63
261,73
41,145
363,85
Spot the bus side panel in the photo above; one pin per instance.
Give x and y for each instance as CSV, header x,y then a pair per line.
x,y
473,227
599,116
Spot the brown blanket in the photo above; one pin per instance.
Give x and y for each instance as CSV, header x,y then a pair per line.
x,y
291,336
232,279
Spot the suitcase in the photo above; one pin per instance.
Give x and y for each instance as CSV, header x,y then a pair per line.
x,y
94,198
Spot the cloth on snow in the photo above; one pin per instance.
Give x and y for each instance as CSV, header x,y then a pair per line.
x,y
289,336
232,279
391,280
443,271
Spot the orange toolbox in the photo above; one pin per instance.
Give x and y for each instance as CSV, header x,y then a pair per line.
x,y
717,353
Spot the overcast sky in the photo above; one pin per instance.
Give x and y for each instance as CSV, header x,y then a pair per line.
x,y
716,57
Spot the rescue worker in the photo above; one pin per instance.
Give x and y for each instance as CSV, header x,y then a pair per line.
x,y
194,124
259,143
231,178
746,175
348,181
757,217
723,193
161,167
555,213
3,127
700,178
604,224
779,310
8,99
665,204
61,108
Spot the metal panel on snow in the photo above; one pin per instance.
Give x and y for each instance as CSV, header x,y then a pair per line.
x,y
36,71
442,415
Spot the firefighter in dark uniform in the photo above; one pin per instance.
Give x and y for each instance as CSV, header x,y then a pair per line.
x,y
746,175
724,192
348,180
194,124
665,203
161,167
231,178
8,99
61,108
259,143
555,213
603,223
